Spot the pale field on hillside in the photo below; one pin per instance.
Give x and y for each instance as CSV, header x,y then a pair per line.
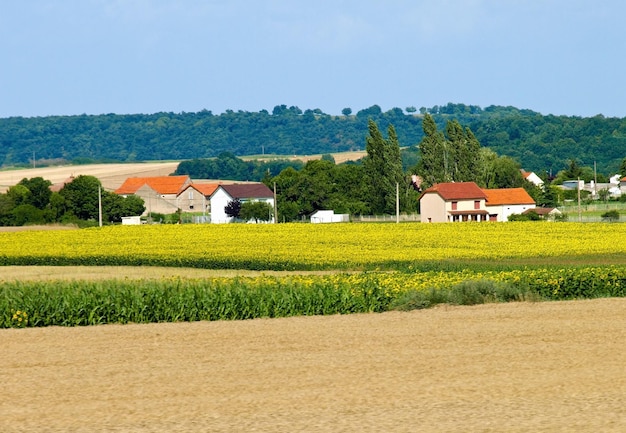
x,y
110,175
519,367
113,175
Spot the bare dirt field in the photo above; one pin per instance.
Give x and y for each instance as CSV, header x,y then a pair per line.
x,y
520,367
110,175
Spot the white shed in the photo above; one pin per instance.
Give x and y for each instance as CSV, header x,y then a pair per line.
x,y
328,216
131,220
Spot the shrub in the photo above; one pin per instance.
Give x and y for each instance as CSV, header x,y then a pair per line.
x,y
470,292
611,215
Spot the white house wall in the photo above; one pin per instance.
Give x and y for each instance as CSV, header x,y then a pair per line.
x,y
534,179
504,211
221,198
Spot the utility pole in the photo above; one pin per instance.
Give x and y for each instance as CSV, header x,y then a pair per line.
x,y
595,180
99,206
580,215
275,205
397,202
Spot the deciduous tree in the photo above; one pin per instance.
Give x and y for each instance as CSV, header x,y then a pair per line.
x,y
233,208
256,210
81,197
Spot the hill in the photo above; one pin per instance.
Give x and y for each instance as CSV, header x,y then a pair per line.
x,y
538,142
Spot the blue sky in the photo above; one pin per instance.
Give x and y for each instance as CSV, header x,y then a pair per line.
x,y
66,57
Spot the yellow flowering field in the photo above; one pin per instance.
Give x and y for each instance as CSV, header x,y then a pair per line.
x,y
311,246
374,267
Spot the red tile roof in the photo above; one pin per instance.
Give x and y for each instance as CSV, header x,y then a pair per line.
x,y
161,184
248,190
507,196
457,191
205,189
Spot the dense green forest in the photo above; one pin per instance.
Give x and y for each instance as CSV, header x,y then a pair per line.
x,y
541,143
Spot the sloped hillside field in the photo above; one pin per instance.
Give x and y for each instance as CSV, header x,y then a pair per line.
x,y
324,349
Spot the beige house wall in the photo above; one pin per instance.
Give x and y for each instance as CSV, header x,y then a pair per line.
x,y
433,209
155,202
192,200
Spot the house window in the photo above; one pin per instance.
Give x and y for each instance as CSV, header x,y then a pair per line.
x,y
476,204
454,205
190,194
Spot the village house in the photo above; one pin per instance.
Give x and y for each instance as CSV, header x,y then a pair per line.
x,y
504,202
196,197
466,201
159,193
531,177
244,192
452,202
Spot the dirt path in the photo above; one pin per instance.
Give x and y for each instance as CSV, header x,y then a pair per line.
x,y
541,367
40,273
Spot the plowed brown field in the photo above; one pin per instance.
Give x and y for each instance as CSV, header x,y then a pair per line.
x,y
520,367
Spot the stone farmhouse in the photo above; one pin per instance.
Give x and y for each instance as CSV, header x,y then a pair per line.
x,y
159,193
167,194
466,201
196,197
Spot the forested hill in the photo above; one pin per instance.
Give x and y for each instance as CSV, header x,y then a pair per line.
x,y
537,141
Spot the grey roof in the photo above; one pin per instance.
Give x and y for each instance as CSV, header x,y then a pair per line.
x,y
248,190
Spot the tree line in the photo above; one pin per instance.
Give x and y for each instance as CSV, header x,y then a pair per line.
x,y
79,202
378,183
229,166
385,178
539,142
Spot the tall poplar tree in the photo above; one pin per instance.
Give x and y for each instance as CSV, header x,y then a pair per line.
x,y
383,168
433,166
454,157
463,150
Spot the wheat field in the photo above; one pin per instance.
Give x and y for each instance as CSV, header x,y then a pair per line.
x,y
519,367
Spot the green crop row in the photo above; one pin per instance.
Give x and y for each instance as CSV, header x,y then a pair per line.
x,y
76,303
